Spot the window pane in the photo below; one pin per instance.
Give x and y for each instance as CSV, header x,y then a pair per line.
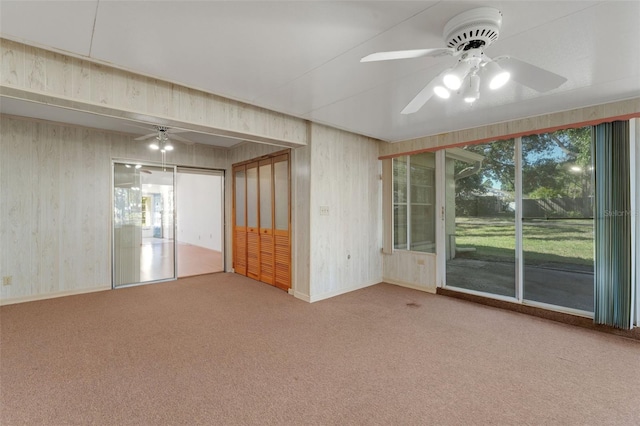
x,y
252,197
281,176
557,213
422,178
400,203
265,196
400,226
240,198
400,180
423,228
422,193
480,217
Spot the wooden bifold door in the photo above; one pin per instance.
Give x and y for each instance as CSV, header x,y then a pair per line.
x,y
262,219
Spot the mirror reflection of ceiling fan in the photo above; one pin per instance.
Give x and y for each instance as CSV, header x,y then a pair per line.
x,y
161,138
466,35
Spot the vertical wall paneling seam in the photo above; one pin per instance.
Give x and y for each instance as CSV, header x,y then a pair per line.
x,y
93,27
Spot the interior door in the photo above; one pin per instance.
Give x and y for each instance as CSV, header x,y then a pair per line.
x,y
240,219
262,219
266,221
253,230
282,222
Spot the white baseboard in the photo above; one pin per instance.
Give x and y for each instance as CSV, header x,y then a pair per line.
x,y
342,291
33,298
410,285
302,296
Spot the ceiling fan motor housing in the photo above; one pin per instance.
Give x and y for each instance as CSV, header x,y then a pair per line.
x,y
473,29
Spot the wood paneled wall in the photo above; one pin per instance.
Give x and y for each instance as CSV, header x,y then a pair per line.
x,y
345,244
301,222
411,269
516,127
55,208
32,71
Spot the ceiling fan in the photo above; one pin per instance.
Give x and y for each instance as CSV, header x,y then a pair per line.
x,y
466,35
161,139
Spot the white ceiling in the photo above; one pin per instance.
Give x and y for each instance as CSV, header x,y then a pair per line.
x,y
302,57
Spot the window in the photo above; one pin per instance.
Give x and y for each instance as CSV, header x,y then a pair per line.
x,y
413,202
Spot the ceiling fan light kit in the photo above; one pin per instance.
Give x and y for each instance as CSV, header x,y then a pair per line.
x,y
161,140
471,92
466,35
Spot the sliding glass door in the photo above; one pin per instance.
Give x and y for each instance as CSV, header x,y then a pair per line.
x,y
480,218
557,218
143,224
519,219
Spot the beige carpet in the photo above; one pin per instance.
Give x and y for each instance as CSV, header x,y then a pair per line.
x,y
223,349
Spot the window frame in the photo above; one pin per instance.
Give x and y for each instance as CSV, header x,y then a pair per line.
x,y
408,204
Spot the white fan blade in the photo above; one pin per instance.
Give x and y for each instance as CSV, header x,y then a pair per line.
x,y
421,98
181,139
529,75
406,54
150,135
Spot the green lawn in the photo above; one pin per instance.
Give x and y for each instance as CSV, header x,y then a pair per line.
x,y
563,242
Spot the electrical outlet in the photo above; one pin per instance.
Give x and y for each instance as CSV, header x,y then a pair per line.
x,y
324,210
7,280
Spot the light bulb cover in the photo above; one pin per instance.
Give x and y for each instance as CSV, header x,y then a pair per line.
x,y
154,146
442,92
453,79
168,147
497,76
138,166
471,91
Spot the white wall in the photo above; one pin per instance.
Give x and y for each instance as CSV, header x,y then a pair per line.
x,y
346,243
55,203
199,210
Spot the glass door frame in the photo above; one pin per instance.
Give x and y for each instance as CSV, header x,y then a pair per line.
x,y
441,276
173,169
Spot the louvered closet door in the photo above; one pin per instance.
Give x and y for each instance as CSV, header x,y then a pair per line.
x,y
253,235
262,219
266,221
282,222
240,220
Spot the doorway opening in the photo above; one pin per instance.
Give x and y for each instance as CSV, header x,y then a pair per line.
x,y
200,223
